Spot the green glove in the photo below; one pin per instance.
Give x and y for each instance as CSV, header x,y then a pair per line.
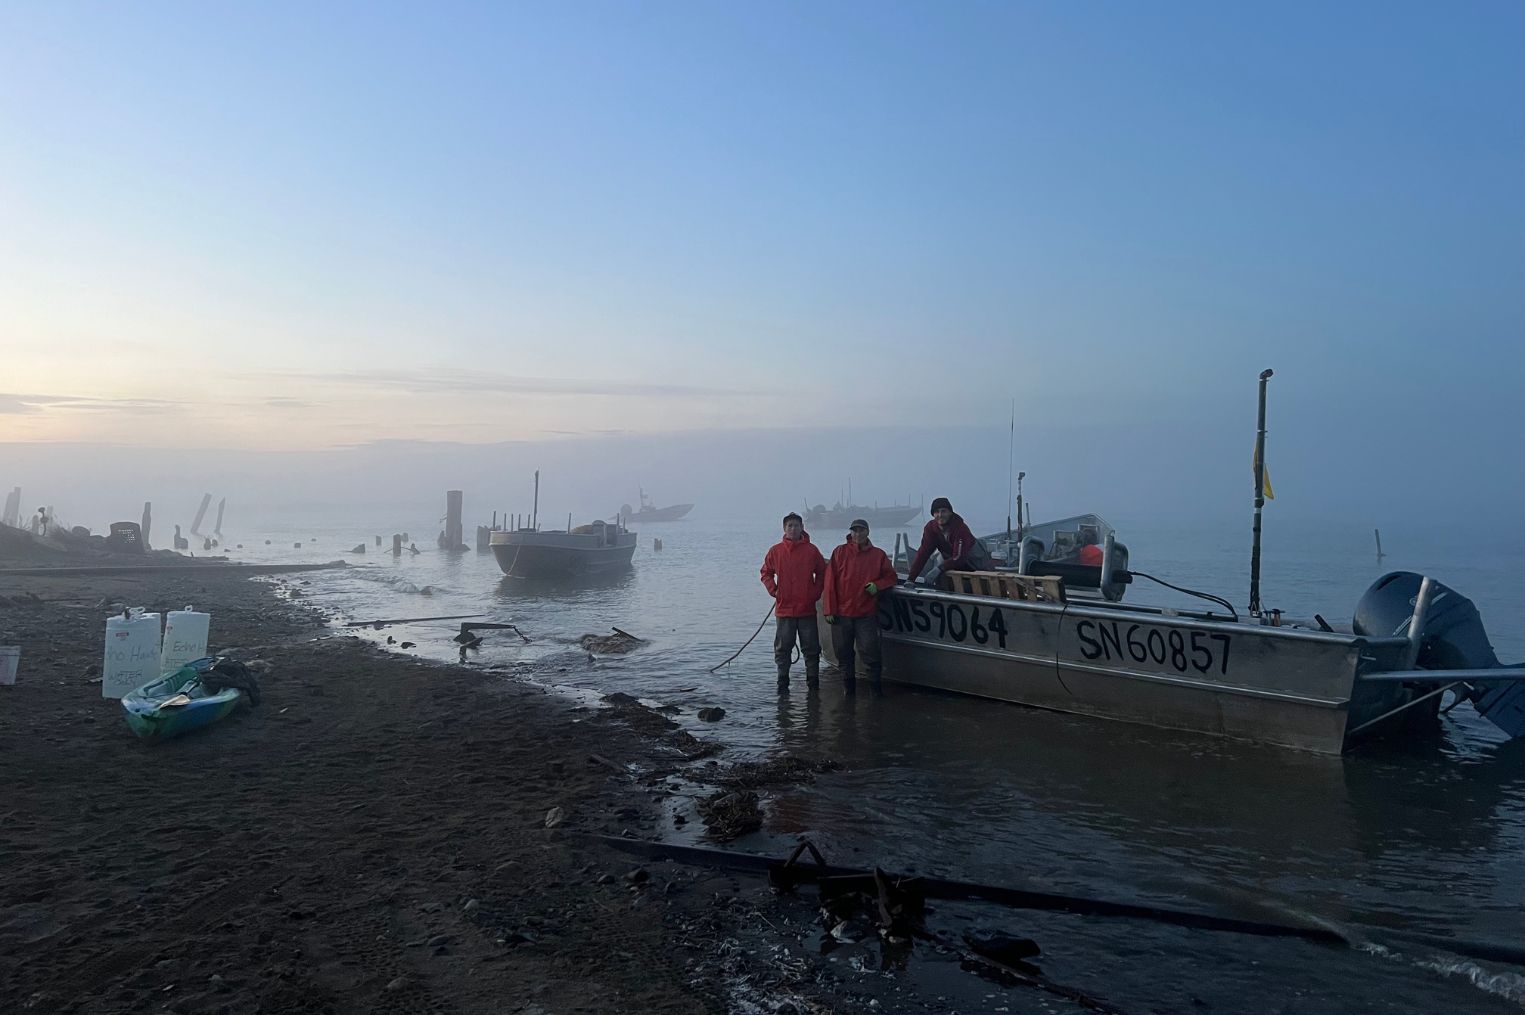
x,y
831,618
871,588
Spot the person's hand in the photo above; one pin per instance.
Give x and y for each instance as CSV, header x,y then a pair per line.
x,y
831,618
871,588
773,593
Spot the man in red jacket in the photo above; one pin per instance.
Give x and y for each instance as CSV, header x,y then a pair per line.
x,y
947,533
858,571
794,573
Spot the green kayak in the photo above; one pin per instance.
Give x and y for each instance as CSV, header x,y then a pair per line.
x,y
178,703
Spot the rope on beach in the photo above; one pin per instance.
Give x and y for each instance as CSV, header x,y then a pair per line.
x,y
749,640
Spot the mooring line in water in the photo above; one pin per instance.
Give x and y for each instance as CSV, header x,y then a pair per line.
x,y
749,640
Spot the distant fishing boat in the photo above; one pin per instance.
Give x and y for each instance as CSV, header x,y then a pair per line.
x,y
649,512
532,552
840,516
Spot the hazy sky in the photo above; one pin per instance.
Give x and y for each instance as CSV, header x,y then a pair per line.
x,y
284,226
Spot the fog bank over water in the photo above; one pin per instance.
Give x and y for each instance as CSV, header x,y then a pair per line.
x,y
1406,472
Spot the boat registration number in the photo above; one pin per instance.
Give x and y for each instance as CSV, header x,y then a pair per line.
x,y
1111,641
954,621
1182,651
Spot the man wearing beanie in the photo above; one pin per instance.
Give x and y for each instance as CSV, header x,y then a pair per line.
x,y
858,572
947,533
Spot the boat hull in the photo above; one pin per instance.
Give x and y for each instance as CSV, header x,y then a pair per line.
x,y
559,555
1243,681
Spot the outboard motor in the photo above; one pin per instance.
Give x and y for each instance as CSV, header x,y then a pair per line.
x,y
1452,638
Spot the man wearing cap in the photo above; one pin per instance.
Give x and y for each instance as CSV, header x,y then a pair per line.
x,y
947,533
794,573
854,578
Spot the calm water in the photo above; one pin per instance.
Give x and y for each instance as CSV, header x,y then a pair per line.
x,y
1427,836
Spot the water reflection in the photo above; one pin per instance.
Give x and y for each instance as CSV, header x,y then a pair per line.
x,y
570,588
965,787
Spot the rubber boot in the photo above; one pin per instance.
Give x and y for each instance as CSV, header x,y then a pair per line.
x,y
783,680
813,672
849,686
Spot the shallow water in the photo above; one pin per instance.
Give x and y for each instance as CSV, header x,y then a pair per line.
x,y
1425,836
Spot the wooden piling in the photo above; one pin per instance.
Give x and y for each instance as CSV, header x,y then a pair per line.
x,y
397,544
148,517
454,533
201,513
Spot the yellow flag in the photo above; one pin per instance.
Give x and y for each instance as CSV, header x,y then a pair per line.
x,y
1265,477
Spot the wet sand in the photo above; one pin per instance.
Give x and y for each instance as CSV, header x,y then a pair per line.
x,y
372,837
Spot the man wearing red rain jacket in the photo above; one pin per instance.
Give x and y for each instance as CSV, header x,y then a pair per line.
x,y
858,571
794,573
947,533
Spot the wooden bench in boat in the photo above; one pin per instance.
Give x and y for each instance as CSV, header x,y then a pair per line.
x,y
1007,585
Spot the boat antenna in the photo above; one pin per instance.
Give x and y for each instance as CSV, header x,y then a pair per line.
x,y
1011,459
1260,495
535,518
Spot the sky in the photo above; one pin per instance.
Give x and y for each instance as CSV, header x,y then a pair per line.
x,y
782,233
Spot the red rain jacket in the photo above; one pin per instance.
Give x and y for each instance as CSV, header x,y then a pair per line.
x,y
956,544
850,569
794,573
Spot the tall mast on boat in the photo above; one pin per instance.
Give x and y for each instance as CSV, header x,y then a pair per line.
x,y
1260,495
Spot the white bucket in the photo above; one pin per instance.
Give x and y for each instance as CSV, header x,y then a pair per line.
x,y
132,653
185,638
10,662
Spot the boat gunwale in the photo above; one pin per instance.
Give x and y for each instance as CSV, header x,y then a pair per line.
x,y
1110,611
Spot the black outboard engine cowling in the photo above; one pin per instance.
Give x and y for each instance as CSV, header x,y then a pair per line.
x,y
1453,637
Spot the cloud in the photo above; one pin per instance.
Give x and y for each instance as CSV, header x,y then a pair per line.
x,y
18,404
289,403
455,382
586,433
15,404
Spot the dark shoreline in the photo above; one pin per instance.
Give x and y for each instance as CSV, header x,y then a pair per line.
x,y
372,837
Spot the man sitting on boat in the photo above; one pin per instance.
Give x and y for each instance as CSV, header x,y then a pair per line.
x,y
858,570
1089,553
794,573
947,534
